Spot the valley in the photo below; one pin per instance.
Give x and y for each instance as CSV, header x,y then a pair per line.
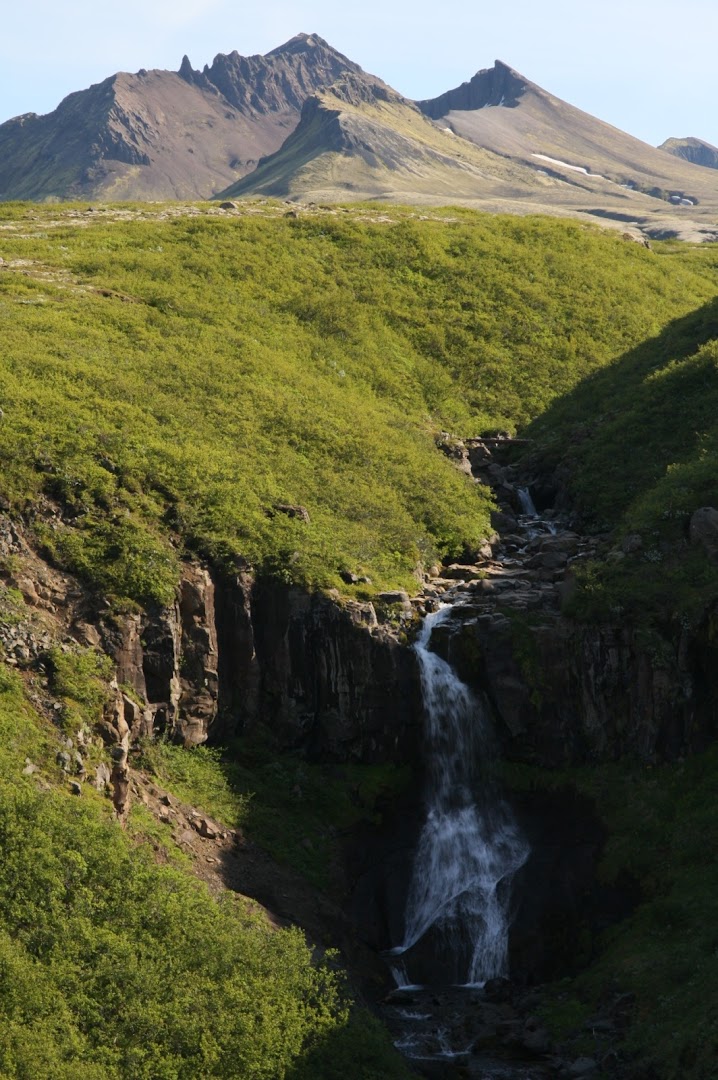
x,y
258,460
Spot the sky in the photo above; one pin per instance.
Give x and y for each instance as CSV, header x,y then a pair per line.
x,y
646,67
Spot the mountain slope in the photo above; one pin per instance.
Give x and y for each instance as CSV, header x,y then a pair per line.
x,y
499,143
503,111
696,151
162,134
362,139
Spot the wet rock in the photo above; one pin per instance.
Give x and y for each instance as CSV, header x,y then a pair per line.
x,y
534,1037
583,1066
498,990
547,560
703,531
457,572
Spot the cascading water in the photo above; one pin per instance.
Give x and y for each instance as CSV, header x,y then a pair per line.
x,y
528,506
470,846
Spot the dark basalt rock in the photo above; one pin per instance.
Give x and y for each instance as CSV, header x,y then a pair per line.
x,y
697,151
499,85
233,651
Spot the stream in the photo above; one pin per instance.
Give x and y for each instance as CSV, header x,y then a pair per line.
x,y
453,1012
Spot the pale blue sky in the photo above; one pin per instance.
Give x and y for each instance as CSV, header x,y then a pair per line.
x,y
647,67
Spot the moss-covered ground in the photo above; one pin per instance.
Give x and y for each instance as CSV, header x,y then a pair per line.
x,y
171,376
662,829
114,965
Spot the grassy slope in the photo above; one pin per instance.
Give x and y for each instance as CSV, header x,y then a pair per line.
x,y
262,360
311,361
112,966
640,442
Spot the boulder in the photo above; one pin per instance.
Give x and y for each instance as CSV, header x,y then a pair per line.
x,y
583,1066
632,543
102,777
299,512
703,531
457,572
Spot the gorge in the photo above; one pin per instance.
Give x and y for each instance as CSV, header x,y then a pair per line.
x,y
358,594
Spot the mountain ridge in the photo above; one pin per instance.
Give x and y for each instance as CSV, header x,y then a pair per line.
x,y
505,144
305,122
160,134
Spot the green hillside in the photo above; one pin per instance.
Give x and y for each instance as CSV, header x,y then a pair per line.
x,y
183,372
179,379
112,965
639,443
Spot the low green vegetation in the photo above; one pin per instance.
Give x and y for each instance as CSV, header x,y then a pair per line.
x,y
639,440
172,378
295,809
662,829
79,677
112,966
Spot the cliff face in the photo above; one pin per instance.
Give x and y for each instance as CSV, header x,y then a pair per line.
x,y
231,653
499,85
696,151
565,694
328,678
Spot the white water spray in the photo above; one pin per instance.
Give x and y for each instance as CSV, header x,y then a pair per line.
x,y
470,846
528,506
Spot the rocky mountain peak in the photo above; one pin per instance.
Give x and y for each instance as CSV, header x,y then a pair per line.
x,y
281,80
499,85
303,43
697,151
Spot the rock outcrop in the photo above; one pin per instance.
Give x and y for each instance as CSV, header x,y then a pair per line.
x,y
696,151
231,652
499,85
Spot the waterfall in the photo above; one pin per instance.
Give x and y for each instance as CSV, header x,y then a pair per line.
x,y
527,504
470,846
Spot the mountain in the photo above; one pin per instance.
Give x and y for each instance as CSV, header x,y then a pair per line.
x,y
304,122
163,134
362,140
697,151
498,142
502,111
